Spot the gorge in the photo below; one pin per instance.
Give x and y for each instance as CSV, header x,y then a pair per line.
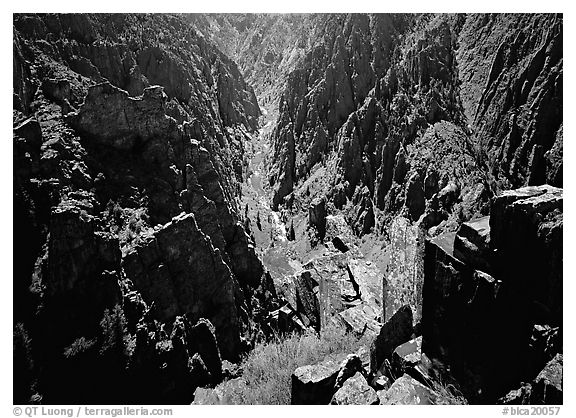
x,y
191,188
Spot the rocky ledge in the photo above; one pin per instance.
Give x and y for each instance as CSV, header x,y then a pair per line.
x,y
491,319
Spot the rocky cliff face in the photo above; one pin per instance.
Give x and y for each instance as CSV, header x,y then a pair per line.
x,y
395,176
409,110
483,291
410,115
267,47
431,117
511,70
129,134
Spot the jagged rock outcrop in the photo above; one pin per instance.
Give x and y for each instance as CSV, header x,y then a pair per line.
x,y
337,288
83,266
345,101
389,144
128,150
402,283
468,313
317,217
422,115
512,72
266,47
526,227
180,270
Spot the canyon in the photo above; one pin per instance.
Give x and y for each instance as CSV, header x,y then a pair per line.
x,y
188,188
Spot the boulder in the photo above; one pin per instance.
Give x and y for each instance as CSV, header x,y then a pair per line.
x,y
407,356
407,391
349,366
460,308
314,384
355,391
397,330
360,320
206,396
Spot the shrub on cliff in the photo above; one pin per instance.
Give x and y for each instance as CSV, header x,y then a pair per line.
x,y
268,368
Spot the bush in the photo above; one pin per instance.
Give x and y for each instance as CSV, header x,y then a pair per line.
x,y
79,346
130,224
115,337
23,366
449,394
268,368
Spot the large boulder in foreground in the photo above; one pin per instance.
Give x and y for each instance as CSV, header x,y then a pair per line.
x,y
355,391
316,384
408,391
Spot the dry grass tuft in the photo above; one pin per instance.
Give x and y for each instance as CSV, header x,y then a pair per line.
x,y
268,368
